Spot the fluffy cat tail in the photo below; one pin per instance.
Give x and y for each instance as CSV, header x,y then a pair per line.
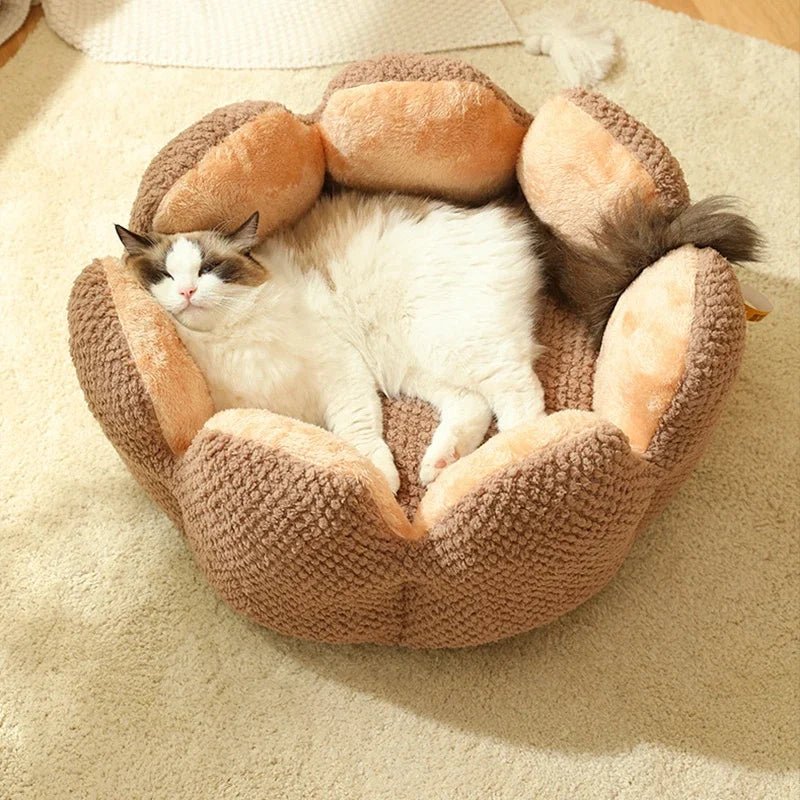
x,y
590,278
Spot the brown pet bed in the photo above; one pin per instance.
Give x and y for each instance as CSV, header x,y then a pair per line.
x,y
295,529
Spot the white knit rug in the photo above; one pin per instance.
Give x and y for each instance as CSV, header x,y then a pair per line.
x,y
273,33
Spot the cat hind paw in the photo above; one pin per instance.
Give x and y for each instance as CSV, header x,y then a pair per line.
x,y
434,462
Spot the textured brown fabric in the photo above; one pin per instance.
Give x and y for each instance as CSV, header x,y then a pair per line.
x,y
467,475
566,367
114,389
311,444
537,540
304,549
292,546
414,67
308,555
666,172
183,152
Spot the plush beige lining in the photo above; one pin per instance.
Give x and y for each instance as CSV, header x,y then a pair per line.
x,y
176,387
455,138
273,164
573,170
643,355
501,451
317,446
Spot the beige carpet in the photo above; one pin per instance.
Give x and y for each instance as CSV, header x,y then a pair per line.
x,y
122,676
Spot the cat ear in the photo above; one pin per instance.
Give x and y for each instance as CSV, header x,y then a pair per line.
x,y
245,237
134,243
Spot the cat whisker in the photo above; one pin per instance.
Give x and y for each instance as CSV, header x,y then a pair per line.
x,y
231,302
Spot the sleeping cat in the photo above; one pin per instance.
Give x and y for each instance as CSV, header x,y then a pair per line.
x,y
390,293
379,293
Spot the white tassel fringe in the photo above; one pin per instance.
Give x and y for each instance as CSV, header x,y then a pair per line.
x,y
583,51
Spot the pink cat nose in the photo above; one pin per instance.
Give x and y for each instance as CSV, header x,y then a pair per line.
x,y
187,293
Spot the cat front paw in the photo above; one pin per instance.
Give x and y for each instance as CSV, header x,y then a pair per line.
x,y
383,459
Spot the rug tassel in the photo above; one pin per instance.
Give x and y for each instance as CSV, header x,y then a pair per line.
x,y
583,51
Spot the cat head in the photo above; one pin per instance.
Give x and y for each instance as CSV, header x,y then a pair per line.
x,y
201,278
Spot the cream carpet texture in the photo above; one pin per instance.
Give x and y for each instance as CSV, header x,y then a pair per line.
x,y
273,33
123,677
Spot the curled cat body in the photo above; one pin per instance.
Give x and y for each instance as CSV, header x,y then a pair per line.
x,y
365,294
400,295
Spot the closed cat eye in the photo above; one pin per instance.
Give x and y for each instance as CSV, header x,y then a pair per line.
x,y
206,268
165,274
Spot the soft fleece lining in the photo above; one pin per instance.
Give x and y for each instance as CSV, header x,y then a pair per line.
x,y
573,170
643,356
173,381
273,164
451,138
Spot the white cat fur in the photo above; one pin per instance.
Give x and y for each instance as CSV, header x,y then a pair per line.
x,y
427,300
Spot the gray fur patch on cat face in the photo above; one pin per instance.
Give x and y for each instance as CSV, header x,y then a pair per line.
x,y
225,255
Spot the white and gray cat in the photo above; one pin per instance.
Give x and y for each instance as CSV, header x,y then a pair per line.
x,y
394,294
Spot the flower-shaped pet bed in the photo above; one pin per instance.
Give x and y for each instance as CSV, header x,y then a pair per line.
x,y
294,528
